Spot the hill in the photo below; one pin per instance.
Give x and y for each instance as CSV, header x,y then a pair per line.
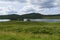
x,y
32,16
29,16
40,16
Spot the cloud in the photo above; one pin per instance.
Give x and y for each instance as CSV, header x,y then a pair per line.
x,y
27,6
48,4
22,1
11,6
7,0
2,11
51,11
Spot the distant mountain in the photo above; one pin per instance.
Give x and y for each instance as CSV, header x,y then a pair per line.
x,y
40,16
32,15
29,16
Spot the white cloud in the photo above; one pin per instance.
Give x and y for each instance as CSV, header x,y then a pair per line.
x,y
3,10
11,6
23,6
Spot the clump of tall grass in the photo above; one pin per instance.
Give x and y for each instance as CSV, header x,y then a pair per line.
x,y
40,30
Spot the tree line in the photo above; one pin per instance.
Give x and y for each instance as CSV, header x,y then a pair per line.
x,y
28,16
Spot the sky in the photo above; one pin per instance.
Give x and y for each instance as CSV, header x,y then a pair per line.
x,y
45,7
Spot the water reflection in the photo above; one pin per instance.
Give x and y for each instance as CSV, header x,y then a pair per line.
x,y
4,20
44,20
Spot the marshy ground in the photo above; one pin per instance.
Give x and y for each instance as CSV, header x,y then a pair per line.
x,y
29,30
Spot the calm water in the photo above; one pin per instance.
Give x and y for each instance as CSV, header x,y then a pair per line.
x,y
46,20
4,20
37,20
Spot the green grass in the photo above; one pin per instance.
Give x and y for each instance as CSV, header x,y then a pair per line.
x,y
14,30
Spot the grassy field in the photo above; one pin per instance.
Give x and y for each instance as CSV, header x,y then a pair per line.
x,y
29,31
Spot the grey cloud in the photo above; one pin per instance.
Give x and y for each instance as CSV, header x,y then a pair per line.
x,y
44,4
7,0
35,2
15,0
12,11
48,4
23,1
30,10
